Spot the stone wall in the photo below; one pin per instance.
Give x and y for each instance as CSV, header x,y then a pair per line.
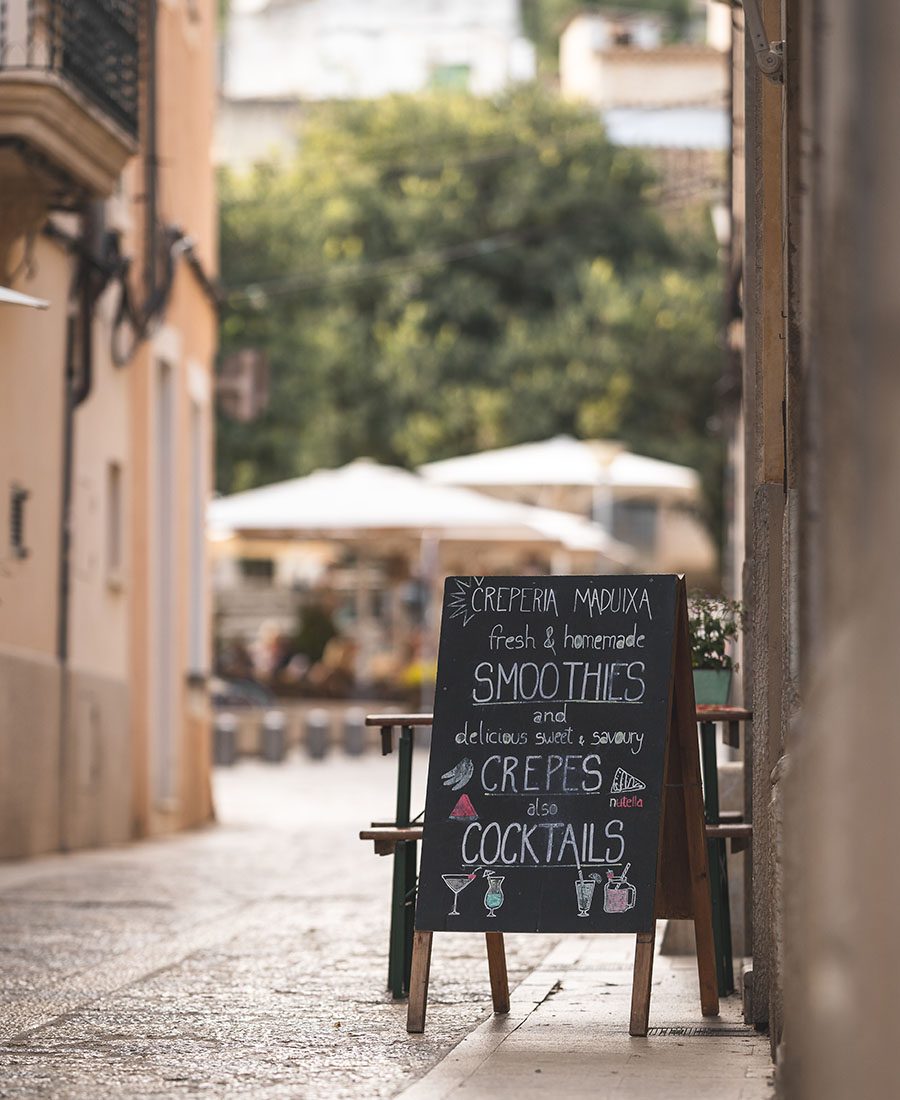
x,y
842,810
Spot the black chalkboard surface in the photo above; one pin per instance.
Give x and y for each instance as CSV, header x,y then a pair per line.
x,y
548,749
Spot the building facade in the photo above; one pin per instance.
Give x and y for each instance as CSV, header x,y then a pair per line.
x,y
105,419
649,92
816,532
280,54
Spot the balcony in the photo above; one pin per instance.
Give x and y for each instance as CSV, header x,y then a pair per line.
x,y
68,96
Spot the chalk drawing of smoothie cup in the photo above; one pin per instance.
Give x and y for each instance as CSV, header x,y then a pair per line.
x,y
584,895
618,894
493,899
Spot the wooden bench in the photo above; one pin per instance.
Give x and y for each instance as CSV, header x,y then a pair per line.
x,y
401,836
720,827
400,840
386,836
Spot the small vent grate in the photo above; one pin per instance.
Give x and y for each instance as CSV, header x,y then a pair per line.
x,y
702,1032
17,498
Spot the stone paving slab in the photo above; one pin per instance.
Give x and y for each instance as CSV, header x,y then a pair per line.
x,y
567,1035
250,960
245,960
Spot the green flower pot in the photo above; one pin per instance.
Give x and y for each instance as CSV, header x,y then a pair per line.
x,y
711,686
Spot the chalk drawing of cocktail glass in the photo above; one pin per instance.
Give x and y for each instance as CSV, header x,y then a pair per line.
x,y
457,883
493,899
584,895
618,894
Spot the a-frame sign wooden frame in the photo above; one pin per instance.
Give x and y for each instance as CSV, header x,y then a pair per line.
x,y
682,873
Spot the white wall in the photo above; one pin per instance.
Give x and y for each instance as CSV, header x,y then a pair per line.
x,y
345,49
597,69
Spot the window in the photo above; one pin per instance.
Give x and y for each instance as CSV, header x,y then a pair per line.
x,y
258,569
450,78
114,521
198,643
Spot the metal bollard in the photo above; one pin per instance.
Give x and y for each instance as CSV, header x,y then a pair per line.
x,y
354,732
318,733
274,736
225,739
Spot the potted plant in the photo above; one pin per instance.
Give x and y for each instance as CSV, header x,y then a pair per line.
x,y
714,625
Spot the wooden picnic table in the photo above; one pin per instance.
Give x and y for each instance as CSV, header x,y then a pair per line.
x,y
401,837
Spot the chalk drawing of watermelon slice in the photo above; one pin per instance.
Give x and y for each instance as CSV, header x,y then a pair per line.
x,y
464,810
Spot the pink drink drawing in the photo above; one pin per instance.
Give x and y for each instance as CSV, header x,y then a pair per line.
x,y
618,893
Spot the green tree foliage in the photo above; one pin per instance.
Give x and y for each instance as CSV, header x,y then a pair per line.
x,y
435,276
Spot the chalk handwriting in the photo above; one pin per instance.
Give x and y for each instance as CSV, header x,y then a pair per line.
x,y
568,681
631,640
632,738
539,774
478,735
613,601
499,639
541,844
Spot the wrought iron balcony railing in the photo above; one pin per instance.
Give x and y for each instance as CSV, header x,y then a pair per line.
x,y
92,44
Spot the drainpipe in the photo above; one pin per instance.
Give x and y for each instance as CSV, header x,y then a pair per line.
x,y
151,159
87,284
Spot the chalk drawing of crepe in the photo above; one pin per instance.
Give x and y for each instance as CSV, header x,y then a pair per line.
x,y
624,782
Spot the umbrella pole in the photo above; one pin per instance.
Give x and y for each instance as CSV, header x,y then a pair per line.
x,y
429,550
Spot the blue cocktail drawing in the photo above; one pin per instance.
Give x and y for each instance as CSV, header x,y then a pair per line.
x,y
493,899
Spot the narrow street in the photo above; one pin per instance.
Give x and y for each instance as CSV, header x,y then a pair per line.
x,y
248,959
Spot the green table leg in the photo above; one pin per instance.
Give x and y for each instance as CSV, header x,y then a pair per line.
x,y
398,929
400,955
409,918
718,864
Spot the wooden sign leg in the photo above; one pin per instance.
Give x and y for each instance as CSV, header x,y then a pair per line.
x,y
643,976
496,954
418,982
685,723
703,922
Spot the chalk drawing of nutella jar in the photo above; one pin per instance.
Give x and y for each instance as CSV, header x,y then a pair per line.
x,y
618,894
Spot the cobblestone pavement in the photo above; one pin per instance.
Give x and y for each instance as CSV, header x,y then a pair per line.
x,y
248,959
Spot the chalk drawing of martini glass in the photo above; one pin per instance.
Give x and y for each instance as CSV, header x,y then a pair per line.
x,y
457,883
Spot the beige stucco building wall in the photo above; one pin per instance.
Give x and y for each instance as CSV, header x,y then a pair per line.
x,y
82,729
31,396
169,648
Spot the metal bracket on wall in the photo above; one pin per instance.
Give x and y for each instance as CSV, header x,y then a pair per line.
x,y
769,55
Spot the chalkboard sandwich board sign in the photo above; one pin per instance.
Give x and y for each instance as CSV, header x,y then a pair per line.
x,y
563,786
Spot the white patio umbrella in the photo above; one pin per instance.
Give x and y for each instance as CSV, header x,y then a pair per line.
x,y
365,498
563,460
